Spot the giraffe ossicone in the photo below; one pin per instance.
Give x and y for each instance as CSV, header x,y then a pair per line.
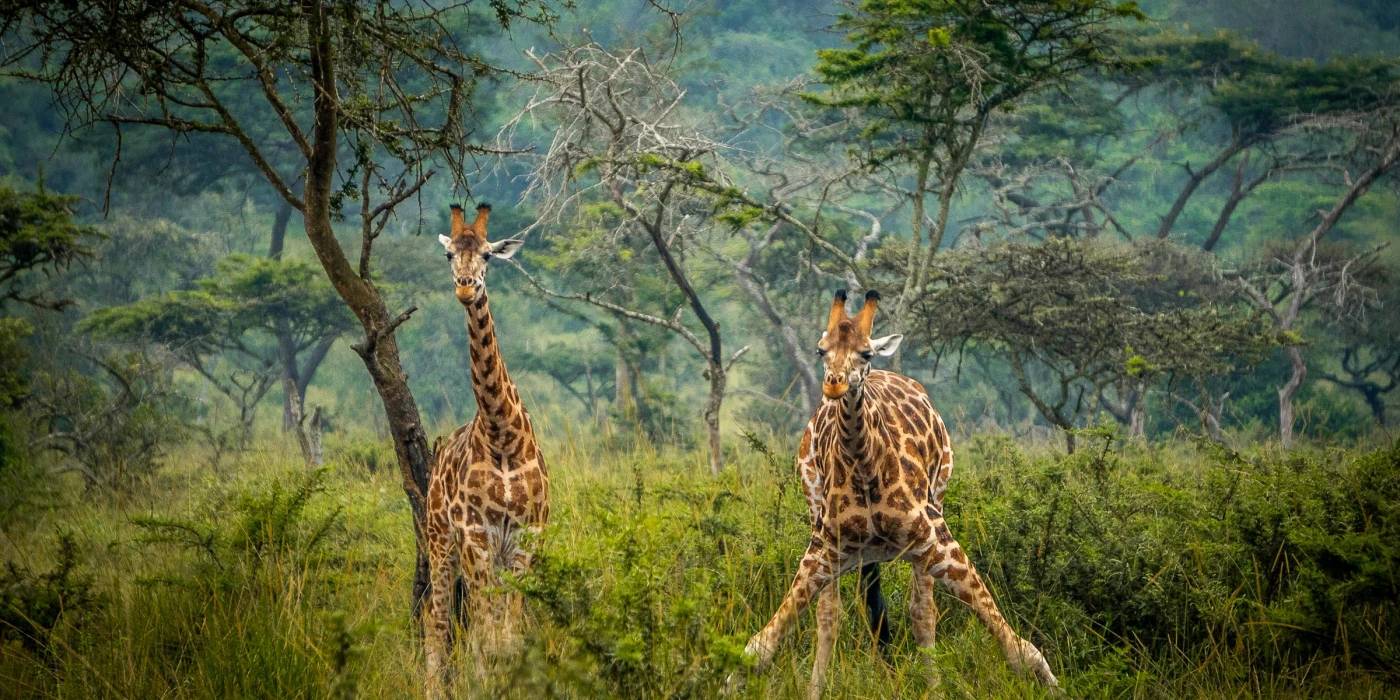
x,y
489,485
875,461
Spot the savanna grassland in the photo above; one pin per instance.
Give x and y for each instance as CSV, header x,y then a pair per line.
x,y
1169,570
1141,254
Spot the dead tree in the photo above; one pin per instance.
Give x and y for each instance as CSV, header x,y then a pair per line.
x,y
621,137
1283,284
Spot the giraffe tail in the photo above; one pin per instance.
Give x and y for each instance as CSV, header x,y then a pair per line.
x,y
875,608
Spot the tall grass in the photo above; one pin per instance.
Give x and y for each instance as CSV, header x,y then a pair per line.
x,y
1171,570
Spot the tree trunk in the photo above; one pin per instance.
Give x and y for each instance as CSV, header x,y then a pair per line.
x,y
912,265
1194,180
1137,426
379,350
1376,403
292,397
1285,397
308,433
279,231
713,403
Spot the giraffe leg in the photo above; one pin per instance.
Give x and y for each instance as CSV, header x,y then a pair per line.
x,y
514,602
947,562
481,610
828,630
923,615
817,570
437,622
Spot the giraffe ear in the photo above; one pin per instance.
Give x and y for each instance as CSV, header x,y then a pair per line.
x,y
884,347
504,249
446,241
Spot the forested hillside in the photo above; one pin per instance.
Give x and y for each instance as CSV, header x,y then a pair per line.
x,y
1142,256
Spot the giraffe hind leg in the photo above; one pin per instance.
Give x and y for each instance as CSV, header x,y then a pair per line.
x,y
876,609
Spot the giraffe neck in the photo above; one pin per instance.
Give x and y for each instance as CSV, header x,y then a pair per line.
x,y
852,423
497,401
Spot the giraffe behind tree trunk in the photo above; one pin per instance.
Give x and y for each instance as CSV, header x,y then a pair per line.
x,y
489,485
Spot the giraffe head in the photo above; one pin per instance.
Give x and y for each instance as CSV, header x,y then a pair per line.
x,y
846,347
468,251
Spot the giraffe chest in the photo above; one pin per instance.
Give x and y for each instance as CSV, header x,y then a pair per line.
x,y
874,502
482,488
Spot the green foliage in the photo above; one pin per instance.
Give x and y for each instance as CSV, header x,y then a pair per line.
x,y
1270,560
1259,92
37,234
643,628
928,72
270,529
32,604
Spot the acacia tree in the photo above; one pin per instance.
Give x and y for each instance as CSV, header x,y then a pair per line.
x,y
371,94
255,322
929,74
1074,317
1286,281
1223,80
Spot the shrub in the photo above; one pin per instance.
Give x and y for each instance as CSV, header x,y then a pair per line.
x,y
1275,560
33,604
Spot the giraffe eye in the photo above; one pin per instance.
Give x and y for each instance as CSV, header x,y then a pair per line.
x,y
449,256
821,352
486,255
866,354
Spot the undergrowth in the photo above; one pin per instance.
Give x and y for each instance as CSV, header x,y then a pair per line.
x,y
1143,571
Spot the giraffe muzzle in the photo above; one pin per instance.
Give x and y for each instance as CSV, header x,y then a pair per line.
x,y
835,390
465,293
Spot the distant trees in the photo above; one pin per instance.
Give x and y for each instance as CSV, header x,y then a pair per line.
x,y
927,76
255,321
1074,318
623,158
1246,104
1326,129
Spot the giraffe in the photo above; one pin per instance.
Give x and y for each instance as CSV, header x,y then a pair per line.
x,y
489,483
875,461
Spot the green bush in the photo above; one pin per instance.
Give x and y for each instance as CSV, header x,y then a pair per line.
x,y
32,604
1276,561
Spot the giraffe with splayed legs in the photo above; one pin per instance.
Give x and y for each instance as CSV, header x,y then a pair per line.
x,y
875,461
489,484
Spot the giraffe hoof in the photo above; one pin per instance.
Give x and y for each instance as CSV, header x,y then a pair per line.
x,y
734,684
1032,661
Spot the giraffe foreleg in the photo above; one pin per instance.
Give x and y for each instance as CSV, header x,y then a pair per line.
x,y
923,615
481,606
828,630
947,562
818,568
